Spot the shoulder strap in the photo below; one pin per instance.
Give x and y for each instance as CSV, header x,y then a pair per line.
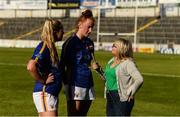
x,y
110,60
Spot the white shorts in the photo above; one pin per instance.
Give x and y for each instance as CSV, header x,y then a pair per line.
x,y
45,102
79,93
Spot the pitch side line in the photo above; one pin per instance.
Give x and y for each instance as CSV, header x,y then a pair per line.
x,y
12,64
148,74
163,75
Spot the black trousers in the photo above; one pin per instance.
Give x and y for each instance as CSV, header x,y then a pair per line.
x,y
114,107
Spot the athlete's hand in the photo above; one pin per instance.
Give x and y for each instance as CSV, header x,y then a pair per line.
x,y
50,78
102,77
95,65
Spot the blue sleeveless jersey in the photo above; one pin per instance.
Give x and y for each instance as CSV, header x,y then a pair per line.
x,y
76,58
45,67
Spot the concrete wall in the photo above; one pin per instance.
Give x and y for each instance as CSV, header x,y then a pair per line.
x,y
123,12
21,43
144,48
172,11
31,13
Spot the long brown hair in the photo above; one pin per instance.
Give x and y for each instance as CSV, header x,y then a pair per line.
x,y
48,36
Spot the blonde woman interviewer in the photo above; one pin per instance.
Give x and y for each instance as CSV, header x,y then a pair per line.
x,y
122,80
43,67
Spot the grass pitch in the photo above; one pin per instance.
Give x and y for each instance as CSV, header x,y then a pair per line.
x,y
159,95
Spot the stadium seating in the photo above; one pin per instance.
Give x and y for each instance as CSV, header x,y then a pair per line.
x,y
166,29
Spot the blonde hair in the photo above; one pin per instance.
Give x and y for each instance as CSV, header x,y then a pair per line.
x,y
87,14
124,48
48,36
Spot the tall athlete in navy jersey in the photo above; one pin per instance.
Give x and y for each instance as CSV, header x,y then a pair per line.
x,y
43,66
76,58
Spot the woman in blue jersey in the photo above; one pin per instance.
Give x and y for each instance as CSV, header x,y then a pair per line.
x,y
123,80
43,67
76,56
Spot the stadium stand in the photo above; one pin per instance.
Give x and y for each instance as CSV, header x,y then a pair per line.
x,y
166,29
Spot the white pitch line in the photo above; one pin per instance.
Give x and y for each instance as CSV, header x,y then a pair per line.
x,y
148,74
163,75
12,64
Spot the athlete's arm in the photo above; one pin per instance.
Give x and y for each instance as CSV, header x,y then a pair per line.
x,y
31,67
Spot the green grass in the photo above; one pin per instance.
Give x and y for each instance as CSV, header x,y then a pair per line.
x,y
159,95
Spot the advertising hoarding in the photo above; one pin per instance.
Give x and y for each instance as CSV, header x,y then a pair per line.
x,y
95,3
63,4
89,3
132,3
23,4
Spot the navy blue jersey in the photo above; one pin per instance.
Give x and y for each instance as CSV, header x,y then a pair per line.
x,y
45,67
76,58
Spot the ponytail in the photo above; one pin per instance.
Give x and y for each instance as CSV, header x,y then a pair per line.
x,y
47,36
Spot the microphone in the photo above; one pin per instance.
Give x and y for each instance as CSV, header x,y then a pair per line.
x,y
99,69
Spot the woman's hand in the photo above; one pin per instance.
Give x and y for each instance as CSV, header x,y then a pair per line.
x,y
50,78
130,98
